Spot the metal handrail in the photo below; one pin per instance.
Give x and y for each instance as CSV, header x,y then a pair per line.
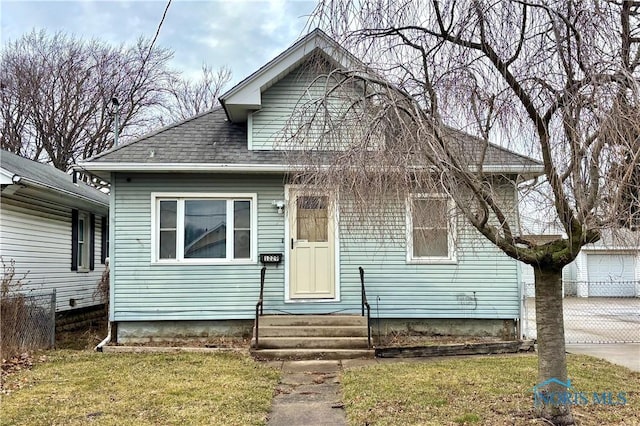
x,y
260,304
365,303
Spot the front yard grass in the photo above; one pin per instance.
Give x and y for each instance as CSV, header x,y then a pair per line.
x,y
494,390
75,388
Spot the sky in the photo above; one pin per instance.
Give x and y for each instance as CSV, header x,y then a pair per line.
x,y
241,34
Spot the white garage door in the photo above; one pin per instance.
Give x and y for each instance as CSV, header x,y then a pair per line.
x,y
611,275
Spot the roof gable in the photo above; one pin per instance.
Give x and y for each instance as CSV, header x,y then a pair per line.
x,y
246,96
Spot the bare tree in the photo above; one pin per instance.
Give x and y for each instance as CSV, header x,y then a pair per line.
x,y
56,92
189,98
558,80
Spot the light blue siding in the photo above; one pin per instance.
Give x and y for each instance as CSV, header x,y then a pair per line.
x,y
272,125
145,291
269,123
481,284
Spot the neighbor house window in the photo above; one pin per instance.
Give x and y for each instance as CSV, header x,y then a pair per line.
x,y
430,229
82,240
104,242
210,228
83,234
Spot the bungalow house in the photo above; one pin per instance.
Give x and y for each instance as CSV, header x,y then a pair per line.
x,y
54,230
200,206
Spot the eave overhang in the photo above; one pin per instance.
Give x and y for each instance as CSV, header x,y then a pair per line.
x,y
100,168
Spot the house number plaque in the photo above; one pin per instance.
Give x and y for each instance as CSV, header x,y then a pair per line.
x,y
270,258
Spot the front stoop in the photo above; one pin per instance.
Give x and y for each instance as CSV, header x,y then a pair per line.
x,y
311,337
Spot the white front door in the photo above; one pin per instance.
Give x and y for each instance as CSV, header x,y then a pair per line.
x,y
311,249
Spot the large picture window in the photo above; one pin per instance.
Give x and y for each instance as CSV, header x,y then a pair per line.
x,y
197,228
431,230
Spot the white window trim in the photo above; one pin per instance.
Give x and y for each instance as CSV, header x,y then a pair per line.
x,y
228,196
85,218
250,131
452,257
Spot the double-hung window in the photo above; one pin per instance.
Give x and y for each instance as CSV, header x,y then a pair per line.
x,y
431,229
83,229
206,228
83,241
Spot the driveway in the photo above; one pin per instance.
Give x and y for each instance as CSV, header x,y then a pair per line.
x,y
625,354
593,320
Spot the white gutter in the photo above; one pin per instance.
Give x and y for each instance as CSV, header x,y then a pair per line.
x,y
33,183
254,168
182,167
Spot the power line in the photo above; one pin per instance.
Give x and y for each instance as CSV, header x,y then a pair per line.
x,y
153,42
164,15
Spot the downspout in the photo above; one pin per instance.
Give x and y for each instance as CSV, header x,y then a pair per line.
x,y
106,340
112,204
519,329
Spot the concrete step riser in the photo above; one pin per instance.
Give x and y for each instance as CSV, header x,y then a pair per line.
x,y
312,343
312,320
300,331
300,354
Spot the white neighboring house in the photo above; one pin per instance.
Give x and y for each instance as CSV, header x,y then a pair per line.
x,y
54,229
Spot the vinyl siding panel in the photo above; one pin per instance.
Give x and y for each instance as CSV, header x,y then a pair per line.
x,y
483,283
278,102
37,235
146,291
271,125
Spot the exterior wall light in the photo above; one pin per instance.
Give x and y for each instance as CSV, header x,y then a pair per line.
x,y
279,205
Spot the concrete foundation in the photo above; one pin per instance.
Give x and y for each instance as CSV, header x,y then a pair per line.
x,y
175,331
504,329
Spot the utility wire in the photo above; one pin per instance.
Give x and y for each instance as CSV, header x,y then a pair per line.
x,y
164,15
153,42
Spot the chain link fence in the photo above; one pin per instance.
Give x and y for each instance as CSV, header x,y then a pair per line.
x,y
28,321
593,319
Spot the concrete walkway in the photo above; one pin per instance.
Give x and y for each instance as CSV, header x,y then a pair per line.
x,y
308,394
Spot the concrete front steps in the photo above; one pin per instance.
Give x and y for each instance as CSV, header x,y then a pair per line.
x,y
311,337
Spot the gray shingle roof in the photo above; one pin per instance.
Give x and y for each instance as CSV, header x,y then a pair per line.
x,y
206,138
211,138
49,176
470,147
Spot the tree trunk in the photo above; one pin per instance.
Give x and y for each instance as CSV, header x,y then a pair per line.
x,y
550,397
